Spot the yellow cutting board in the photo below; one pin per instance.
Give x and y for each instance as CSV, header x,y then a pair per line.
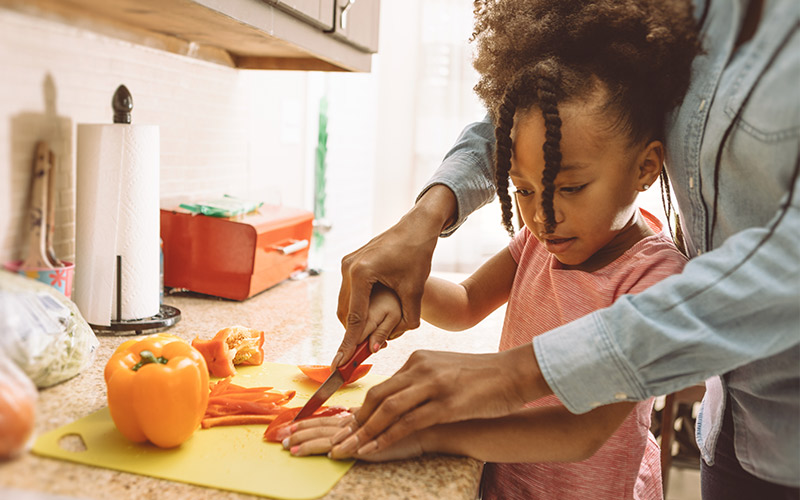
x,y
234,458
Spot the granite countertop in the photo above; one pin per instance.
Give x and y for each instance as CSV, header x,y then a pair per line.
x,y
299,317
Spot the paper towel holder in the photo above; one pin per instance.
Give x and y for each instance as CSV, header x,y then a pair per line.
x,y
166,317
122,104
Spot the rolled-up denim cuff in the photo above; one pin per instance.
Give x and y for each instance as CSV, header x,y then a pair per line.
x,y
471,191
584,367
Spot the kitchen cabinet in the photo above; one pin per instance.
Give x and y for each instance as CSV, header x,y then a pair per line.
x,y
353,23
316,35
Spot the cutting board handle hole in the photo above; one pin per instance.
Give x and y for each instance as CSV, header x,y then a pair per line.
x,y
72,442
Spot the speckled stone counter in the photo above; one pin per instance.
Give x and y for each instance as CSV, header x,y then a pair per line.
x,y
299,318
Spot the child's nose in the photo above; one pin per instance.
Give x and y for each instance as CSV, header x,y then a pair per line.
x,y
538,214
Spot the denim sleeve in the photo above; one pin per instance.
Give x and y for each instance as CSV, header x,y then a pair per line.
x,y
468,171
731,306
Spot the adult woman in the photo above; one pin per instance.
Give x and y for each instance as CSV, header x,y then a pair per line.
x,y
733,157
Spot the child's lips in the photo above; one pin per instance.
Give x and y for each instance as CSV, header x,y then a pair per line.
x,y
558,245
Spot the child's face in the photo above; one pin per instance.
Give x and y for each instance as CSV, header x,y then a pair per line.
x,y
595,189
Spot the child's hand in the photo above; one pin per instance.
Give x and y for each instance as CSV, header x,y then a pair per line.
x,y
383,316
319,436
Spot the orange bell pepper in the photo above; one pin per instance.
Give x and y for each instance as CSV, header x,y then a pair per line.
x,y
235,345
157,390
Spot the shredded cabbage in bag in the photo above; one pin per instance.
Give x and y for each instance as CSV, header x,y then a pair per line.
x,y
42,331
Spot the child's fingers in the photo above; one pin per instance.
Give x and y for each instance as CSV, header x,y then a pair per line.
x,y
319,446
334,421
316,440
318,435
380,335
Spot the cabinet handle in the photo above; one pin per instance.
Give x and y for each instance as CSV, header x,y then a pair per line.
x,y
290,246
343,16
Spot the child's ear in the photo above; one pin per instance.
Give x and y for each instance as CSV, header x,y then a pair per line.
x,y
650,163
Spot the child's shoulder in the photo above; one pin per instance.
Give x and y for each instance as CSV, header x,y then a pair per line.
x,y
658,249
656,258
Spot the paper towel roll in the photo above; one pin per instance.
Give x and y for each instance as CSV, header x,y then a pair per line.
x,y
117,215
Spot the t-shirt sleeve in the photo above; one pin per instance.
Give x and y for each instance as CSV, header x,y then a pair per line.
x,y
656,262
518,242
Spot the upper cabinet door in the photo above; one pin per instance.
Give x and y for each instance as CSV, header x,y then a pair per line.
x,y
315,12
357,23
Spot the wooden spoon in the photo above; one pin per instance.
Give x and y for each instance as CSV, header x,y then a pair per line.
x,y
51,212
36,218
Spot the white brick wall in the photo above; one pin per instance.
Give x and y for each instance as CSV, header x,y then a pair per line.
x,y
220,127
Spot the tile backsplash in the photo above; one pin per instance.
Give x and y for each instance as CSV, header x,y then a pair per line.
x,y
222,130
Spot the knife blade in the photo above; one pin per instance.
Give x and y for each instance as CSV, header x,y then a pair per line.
x,y
334,381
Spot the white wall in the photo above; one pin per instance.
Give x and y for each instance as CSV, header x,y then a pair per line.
x,y
222,130
253,133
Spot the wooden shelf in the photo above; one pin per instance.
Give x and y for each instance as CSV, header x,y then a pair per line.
x,y
249,34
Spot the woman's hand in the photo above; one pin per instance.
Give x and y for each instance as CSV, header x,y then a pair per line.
x,y
440,387
400,259
319,436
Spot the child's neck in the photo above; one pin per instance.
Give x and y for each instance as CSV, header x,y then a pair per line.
x,y
636,230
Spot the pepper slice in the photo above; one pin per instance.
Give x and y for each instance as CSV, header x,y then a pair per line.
x,y
285,417
320,373
231,404
234,345
157,390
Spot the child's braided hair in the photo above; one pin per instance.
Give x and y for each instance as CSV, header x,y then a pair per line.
x,y
541,53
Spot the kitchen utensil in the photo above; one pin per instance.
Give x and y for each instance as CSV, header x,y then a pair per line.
x,y
37,258
51,212
335,381
234,458
117,248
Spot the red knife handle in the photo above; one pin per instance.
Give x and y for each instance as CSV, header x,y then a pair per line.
x,y
362,353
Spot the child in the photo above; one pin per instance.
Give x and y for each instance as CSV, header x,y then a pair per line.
x,y
578,92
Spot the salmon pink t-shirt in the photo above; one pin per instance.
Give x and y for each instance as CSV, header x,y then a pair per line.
x,y
544,296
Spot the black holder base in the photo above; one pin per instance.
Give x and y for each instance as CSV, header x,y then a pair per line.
x,y
166,317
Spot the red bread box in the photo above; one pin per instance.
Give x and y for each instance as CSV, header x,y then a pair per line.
x,y
234,257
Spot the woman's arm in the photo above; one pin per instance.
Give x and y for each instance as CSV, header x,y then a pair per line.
x,y
543,434
458,306
400,257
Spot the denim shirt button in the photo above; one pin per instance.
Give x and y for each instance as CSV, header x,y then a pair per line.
x,y
620,395
702,105
595,404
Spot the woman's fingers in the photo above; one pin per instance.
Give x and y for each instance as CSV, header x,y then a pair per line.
x,y
442,387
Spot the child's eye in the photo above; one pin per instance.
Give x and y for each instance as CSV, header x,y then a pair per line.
x,y
524,192
573,189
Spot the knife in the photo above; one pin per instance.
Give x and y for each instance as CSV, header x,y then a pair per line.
x,y
334,381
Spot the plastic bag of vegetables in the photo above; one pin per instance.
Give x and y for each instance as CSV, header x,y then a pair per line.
x,y
42,331
17,409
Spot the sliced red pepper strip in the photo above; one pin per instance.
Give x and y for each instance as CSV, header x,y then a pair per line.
x,y
209,422
229,400
285,418
320,373
219,387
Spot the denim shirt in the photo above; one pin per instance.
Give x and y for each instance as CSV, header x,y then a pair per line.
x,y
735,309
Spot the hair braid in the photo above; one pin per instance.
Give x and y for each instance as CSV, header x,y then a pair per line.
x,y
543,77
502,159
547,88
